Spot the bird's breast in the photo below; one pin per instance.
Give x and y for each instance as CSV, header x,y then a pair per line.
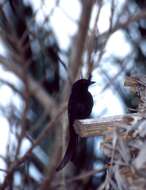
x,y
80,106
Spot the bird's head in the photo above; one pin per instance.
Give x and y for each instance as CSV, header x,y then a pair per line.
x,y
82,84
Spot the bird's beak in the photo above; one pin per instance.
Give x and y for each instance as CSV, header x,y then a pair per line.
x,y
92,82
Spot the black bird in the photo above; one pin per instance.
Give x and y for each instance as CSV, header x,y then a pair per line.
x,y
79,107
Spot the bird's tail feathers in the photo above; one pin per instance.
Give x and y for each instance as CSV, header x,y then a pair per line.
x,y
69,153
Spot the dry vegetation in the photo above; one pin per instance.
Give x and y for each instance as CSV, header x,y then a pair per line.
x,y
124,136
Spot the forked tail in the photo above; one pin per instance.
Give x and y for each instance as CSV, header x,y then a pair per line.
x,y
69,152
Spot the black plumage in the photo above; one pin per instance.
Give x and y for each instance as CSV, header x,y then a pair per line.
x,y
79,107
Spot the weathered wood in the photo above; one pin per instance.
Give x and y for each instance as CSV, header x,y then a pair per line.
x,y
134,81
131,82
100,126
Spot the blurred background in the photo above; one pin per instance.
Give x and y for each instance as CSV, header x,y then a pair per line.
x,y
44,47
